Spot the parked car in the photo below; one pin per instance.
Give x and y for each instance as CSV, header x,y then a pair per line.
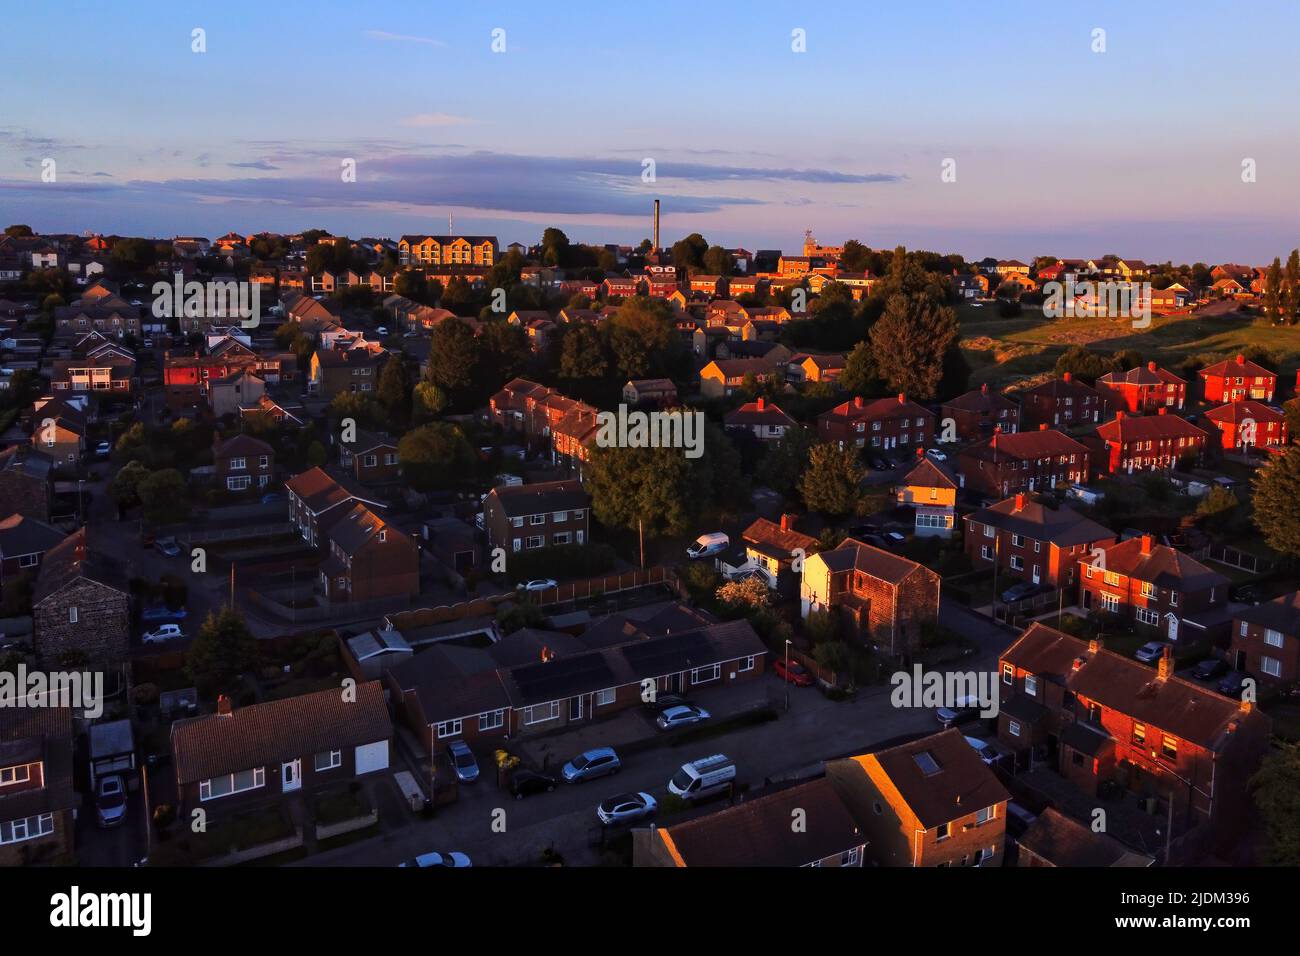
x,y
271,498
1233,683
1018,592
167,632
381,331
455,861
707,544
986,751
161,612
1247,594
675,717
592,764
110,800
964,711
1150,652
540,584
935,454
1210,668
103,449
879,463
895,537
663,702
462,761
626,807
525,783
794,673
167,546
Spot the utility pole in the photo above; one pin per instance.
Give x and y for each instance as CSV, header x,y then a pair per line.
x,y
640,530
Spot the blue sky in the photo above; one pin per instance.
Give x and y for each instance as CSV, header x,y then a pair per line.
x,y
1058,150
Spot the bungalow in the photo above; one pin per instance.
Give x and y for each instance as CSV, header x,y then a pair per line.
x,y
225,761
764,421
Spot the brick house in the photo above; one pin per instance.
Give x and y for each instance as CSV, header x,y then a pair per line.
x,y
227,761
317,500
1153,585
1062,403
59,432
1247,424
109,368
335,371
929,802
1266,640
880,597
763,420
1148,443
367,558
447,250
1143,389
722,377
23,543
372,458
757,832
81,609
1057,840
1030,541
770,549
932,492
1100,716
883,423
243,461
1023,461
977,414
26,481
652,391
37,800
540,515
538,681
1234,379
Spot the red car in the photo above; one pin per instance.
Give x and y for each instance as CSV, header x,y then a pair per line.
x,y
794,672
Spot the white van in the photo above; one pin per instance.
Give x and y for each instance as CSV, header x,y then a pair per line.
x,y
707,544
703,777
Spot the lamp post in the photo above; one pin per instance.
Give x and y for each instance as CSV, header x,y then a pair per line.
x,y
787,675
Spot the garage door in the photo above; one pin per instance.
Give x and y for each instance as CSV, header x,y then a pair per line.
x,y
372,757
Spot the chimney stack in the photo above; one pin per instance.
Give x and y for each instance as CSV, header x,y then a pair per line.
x,y
902,398
1241,360
762,403
1119,414
1042,426
857,401
984,389
920,452
1166,665
787,522
1020,501
1094,645
1067,376
1146,544
223,706
1151,366
1162,410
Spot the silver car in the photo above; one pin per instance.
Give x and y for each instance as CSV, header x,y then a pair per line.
x,y
681,716
110,800
626,807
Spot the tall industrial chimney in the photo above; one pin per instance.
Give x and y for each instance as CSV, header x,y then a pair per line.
x,y
655,250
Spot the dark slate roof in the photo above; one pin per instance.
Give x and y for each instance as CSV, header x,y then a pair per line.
x,y
1062,526
71,559
38,733
1062,841
1281,614
278,730
519,500
852,554
1162,566
20,535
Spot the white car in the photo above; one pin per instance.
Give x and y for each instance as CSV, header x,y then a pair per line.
x,y
382,330
935,454
455,861
167,632
626,807
103,449
681,716
540,584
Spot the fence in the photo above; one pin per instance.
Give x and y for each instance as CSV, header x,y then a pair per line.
x,y
830,678
605,584
1235,558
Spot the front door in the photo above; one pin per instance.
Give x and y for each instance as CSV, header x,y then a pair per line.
x,y
291,775
1173,626
575,708
675,683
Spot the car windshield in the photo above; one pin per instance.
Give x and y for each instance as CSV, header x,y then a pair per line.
x,y
682,780
464,759
581,761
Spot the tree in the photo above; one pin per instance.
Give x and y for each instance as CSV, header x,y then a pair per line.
x,y
639,333
429,402
831,483
435,456
1217,506
223,649
688,253
124,489
394,389
504,353
1291,287
412,284
784,462
750,594
18,231
860,375
555,247
1085,363
582,353
718,261
909,343
1276,790
854,257
453,355
1276,491
633,485
164,497
1272,301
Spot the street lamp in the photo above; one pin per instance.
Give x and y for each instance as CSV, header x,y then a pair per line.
x,y
787,675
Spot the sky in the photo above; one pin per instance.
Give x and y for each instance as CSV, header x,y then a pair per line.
x,y
1054,144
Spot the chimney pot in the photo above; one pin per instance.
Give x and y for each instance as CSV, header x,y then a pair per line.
x,y
1162,410
1042,426
762,403
1151,366
1067,376
787,522
1241,360
1166,665
984,389
857,401
1020,501
1119,414
920,452
902,398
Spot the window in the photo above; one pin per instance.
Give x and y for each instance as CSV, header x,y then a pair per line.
x,y
577,514
232,783
1244,626
988,531
238,483
449,728
1148,589
987,814
985,553
12,775
1017,541
516,522
605,697
560,516
1008,674
1110,602
1017,563
537,519
540,713
942,832
1270,666
535,541
1271,637
1014,727
1169,749
1147,616
560,537
849,857
26,828
328,760
1031,685
746,664
1173,597
491,720
369,461
72,615
28,561
703,674
238,464
1139,733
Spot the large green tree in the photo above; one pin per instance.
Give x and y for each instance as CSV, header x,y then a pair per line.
x,y
437,455
453,355
163,495
633,485
640,333
1276,492
832,482
910,342
1276,789
785,460
223,649
582,353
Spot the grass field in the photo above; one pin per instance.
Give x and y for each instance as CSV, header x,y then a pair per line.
x,y
1009,352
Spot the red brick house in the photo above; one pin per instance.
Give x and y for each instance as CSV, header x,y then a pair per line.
x,y
37,801
1101,716
652,391
1032,542
1234,379
227,761
977,414
1057,840
242,461
1247,424
1148,443
317,500
367,558
1023,461
883,423
1062,403
372,458
880,597
1266,641
1143,389
1153,585
929,802
544,514
772,549
763,420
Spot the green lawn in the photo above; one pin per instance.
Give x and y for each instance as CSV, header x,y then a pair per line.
x,y
1003,352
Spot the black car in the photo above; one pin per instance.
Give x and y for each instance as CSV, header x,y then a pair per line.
x,y
1209,668
525,783
1232,684
1247,594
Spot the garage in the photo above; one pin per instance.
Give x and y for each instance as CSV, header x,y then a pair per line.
x,y
372,757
